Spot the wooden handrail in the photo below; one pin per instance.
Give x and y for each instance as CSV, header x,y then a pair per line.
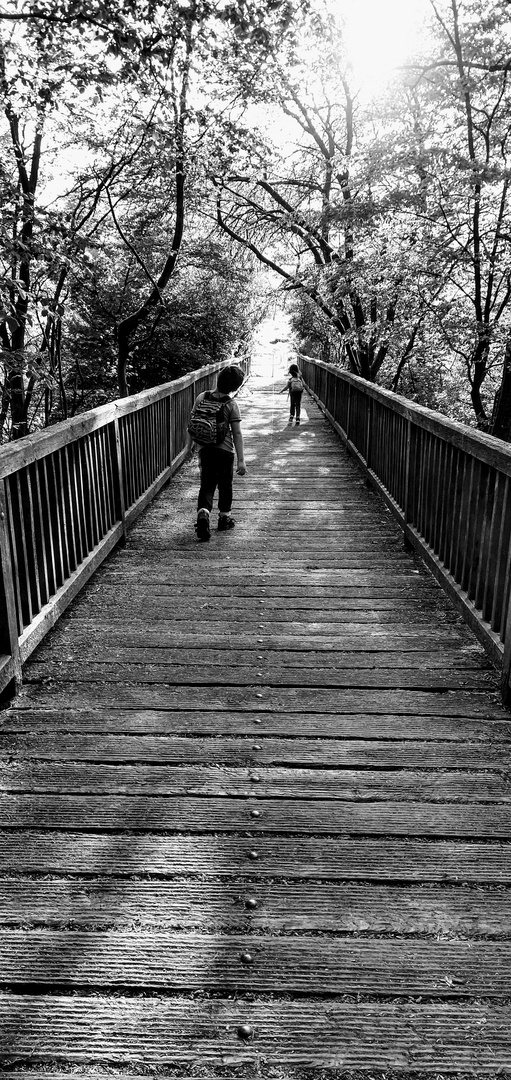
x,y
448,486
68,495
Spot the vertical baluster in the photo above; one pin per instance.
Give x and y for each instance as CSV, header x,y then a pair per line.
x,y
471,552
419,477
100,483
40,541
104,479
118,474
76,500
439,491
348,414
466,480
491,575
153,436
47,524
108,448
446,502
409,480
141,456
34,541
129,459
503,572
506,660
72,539
169,429
58,520
369,433
10,624
484,563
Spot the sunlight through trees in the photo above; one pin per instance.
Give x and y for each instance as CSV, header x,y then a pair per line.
x,y
157,156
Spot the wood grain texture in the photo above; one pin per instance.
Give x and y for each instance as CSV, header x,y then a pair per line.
x,y
329,752
301,857
279,907
260,782
156,813
304,965
336,1035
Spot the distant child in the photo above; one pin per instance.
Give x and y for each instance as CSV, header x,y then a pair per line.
x,y
294,387
215,427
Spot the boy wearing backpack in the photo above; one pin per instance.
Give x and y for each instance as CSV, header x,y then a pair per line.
x,y
294,387
215,426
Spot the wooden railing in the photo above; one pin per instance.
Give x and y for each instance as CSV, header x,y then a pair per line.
x,y
448,486
68,495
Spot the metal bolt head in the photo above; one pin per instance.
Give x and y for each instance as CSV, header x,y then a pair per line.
x,y
246,958
245,1032
255,813
251,902
253,855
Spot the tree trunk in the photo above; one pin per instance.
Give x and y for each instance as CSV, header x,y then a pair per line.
x,y
501,416
480,369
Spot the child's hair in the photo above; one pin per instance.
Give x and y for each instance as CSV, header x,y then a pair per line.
x,y
293,370
229,379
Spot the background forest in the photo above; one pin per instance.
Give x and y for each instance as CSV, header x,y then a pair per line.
x,y
167,167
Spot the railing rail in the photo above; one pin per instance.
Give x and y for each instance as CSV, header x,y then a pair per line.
x,y
448,486
68,495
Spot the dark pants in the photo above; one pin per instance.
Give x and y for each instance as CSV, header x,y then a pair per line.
x,y
295,402
216,471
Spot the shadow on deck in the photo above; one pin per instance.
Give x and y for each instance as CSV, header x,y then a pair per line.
x,y
256,812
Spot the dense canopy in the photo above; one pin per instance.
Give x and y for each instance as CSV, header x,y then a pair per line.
x,y
167,168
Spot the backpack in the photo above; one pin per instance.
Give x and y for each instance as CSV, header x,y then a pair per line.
x,y
295,384
209,421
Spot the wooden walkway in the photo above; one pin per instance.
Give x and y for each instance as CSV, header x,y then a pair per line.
x,y
256,800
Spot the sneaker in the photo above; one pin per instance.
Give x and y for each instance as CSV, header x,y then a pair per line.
x,y
225,522
297,421
202,527
291,418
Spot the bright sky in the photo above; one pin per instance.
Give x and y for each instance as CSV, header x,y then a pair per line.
x,y
381,34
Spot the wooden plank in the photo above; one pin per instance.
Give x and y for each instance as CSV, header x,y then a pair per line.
x,y
407,1036
328,752
210,611
369,639
310,725
65,650
201,814
181,675
269,699
302,857
177,961
467,786
277,907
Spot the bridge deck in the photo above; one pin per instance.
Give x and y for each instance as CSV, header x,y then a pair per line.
x,y
259,782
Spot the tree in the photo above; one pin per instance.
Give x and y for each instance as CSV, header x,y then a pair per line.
x,y
467,186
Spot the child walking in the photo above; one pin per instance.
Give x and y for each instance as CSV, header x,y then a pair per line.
x,y
294,387
215,426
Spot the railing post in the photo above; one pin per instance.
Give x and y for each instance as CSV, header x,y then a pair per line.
x,y
9,640
120,508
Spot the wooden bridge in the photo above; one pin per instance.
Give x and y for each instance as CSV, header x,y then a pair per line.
x,y
256,815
